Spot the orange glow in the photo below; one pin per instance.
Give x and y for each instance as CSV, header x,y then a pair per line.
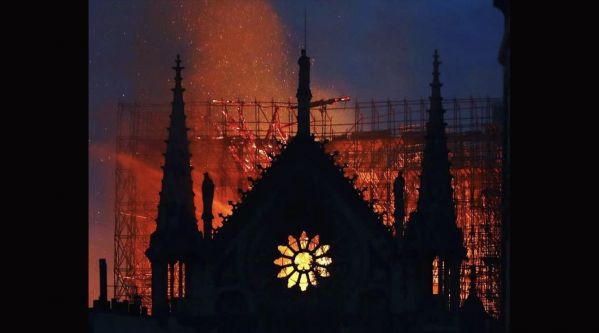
x,y
239,50
436,276
177,276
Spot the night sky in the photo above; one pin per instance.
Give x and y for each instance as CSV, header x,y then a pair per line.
x,y
365,49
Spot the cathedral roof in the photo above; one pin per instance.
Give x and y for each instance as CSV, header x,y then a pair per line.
x,y
302,173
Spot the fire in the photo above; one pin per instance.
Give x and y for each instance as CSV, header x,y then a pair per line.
x,y
240,51
232,150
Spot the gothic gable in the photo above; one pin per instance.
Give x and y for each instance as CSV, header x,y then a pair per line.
x,y
304,190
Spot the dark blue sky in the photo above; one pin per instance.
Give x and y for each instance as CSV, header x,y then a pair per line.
x,y
383,48
366,49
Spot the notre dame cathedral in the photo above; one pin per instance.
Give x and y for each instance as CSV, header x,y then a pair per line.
x,y
303,251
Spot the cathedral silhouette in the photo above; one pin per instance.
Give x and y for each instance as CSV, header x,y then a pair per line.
x,y
303,251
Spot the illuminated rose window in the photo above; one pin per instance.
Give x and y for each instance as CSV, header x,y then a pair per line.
x,y
302,262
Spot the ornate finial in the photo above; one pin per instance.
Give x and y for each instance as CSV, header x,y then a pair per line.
x,y
436,106
178,89
178,68
436,64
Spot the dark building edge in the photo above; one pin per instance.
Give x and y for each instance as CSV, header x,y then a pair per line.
x,y
504,59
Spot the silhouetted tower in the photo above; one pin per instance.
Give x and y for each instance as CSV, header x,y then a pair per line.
x,y
175,241
103,282
399,203
207,199
304,96
432,232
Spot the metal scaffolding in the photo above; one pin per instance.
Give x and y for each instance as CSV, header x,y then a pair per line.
x,y
232,140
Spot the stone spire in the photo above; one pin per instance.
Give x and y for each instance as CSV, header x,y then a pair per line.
x,y
175,241
304,96
432,230
176,210
436,206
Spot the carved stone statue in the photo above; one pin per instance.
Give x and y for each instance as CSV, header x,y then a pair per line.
x,y
398,193
207,198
